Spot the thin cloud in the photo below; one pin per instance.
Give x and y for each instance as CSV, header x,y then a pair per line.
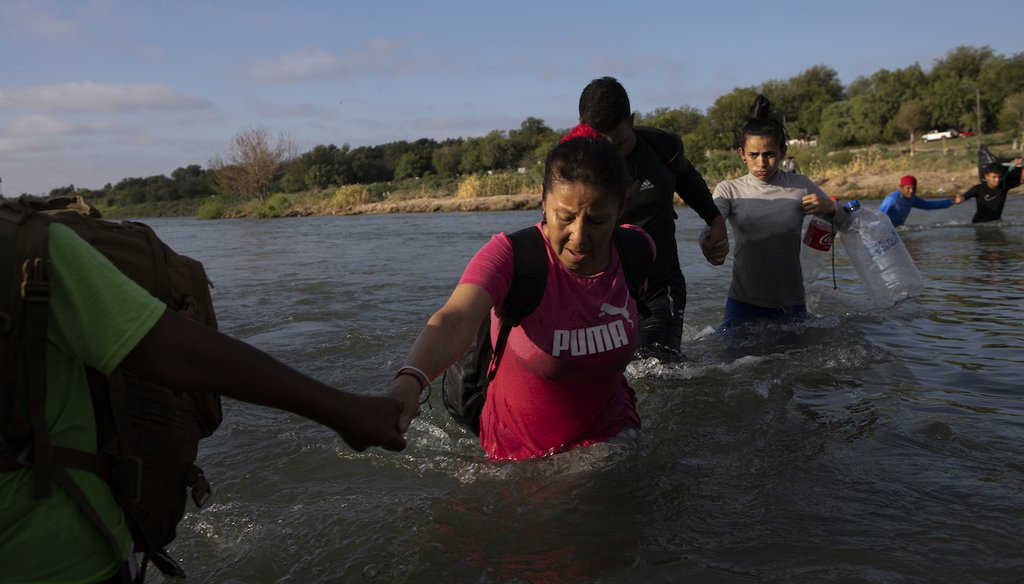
x,y
87,96
31,22
39,125
379,56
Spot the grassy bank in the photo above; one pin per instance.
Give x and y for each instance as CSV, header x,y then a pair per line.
x,y
942,169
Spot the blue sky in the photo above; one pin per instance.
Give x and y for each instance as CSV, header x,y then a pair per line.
x,y
93,91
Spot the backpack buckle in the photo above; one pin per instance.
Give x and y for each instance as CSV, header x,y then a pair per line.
x,y
35,280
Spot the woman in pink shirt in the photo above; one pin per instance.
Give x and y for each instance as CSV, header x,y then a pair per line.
x,y
560,383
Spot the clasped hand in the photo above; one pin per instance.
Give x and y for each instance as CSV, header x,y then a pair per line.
x,y
815,204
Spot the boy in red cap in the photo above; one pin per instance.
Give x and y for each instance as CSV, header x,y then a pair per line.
x,y
897,204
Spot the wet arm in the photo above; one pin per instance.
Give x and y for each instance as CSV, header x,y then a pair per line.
x,y
187,356
447,335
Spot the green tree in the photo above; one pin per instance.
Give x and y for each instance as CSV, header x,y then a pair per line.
x,y
913,116
837,128
523,143
800,100
955,88
414,163
681,120
951,101
725,118
471,159
445,158
963,62
1000,78
369,165
876,100
495,151
1011,115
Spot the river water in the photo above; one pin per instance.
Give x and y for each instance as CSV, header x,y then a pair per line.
x,y
860,446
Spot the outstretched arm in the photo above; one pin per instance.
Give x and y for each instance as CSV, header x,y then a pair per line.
x,y
447,335
185,355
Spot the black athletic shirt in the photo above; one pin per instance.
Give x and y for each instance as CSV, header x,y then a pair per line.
x,y
990,201
650,202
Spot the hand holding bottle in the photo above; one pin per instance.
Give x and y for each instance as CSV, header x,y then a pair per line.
x,y
815,204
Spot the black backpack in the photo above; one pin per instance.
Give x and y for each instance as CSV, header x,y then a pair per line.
x,y
464,384
985,157
147,434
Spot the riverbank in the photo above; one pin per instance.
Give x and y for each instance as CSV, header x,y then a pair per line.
x,y
861,185
864,173
932,184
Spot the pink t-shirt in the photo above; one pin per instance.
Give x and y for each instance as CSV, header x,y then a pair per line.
x,y
560,383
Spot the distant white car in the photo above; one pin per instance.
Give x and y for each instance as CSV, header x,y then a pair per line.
x,y
939,134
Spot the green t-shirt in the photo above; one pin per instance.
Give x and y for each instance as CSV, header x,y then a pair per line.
x,y
97,316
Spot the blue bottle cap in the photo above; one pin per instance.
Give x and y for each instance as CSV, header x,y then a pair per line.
x,y
854,204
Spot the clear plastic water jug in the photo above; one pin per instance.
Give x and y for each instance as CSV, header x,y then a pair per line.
x,y
878,255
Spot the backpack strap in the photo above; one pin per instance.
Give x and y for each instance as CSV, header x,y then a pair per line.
x,y
10,222
529,274
636,257
31,309
529,278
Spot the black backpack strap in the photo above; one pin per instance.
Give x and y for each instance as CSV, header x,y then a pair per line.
x,y
636,257
10,223
33,296
529,278
529,274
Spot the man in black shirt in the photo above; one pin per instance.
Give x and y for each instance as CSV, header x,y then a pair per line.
x,y
659,171
991,194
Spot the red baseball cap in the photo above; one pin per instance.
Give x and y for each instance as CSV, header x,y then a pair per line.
x,y
908,181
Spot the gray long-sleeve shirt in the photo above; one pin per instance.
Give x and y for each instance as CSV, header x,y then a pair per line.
x,y
766,222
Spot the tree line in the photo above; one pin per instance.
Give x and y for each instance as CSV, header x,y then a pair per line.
x,y
970,88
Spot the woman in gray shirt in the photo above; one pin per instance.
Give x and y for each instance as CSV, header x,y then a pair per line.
x,y
765,210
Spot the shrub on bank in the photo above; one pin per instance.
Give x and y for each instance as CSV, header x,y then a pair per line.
x,y
276,206
352,195
210,210
495,185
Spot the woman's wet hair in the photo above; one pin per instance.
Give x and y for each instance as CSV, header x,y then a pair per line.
x,y
761,123
604,104
592,161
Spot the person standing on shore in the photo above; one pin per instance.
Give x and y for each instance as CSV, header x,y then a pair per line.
x,y
657,174
991,193
897,204
765,210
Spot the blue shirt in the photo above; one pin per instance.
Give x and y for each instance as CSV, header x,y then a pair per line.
x,y
897,207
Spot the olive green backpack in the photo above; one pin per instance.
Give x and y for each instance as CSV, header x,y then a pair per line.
x,y
147,434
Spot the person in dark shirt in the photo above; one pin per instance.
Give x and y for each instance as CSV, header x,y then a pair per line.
x,y
991,193
657,174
